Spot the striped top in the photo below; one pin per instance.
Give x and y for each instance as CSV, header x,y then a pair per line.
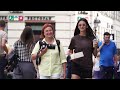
x,y
23,51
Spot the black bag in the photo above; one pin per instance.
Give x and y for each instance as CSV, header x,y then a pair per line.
x,y
12,61
38,59
68,67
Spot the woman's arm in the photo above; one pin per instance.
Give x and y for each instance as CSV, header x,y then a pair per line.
x,y
35,51
63,60
41,53
64,70
70,52
95,51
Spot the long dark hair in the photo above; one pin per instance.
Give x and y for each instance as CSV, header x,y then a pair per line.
x,y
89,31
27,36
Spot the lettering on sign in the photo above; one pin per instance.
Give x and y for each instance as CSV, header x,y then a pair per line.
x,y
3,17
39,17
82,12
16,11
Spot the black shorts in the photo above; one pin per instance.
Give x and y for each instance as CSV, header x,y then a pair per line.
x,y
80,71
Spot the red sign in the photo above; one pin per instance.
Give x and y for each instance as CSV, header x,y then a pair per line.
x,y
20,18
16,18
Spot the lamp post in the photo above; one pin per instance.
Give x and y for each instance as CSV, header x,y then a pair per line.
x,y
96,22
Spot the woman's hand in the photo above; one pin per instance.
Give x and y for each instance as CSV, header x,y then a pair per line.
x,y
69,52
95,43
64,75
64,70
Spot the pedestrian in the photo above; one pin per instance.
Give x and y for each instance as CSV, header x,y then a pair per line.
x,y
53,61
3,48
83,42
96,68
108,57
23,47
8,74
118,70
68,67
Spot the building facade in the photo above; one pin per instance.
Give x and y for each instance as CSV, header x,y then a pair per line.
x,y
111,20
63,21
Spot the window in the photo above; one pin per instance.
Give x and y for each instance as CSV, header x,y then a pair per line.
x,y
37,27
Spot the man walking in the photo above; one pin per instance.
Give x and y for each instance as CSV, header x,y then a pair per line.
x,y
108,57
3,48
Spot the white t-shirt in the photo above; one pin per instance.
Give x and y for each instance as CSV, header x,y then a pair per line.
x,y
96,66
118,66
3,36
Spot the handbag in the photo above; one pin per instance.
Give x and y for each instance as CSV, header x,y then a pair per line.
x,y
12,61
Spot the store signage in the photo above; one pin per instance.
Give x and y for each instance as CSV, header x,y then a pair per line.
x,y
3,17
39,17
16,11
16,18
79,17
82,12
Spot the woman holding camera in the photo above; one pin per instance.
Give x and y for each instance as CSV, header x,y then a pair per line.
x,y
53,62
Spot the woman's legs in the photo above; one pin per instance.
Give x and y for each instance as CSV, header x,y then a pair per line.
x,y
74,76
79,72
24,70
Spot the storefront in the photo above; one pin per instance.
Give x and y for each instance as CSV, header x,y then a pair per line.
x,y
36,22
16,22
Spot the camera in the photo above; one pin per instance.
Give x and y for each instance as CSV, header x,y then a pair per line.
x,y
49,46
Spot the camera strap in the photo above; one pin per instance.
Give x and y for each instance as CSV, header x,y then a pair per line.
x,y
58,44
57,41
38,59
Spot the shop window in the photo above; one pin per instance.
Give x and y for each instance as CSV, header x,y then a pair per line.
x,y
37,27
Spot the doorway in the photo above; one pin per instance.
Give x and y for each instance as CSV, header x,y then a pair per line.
x,y
37,27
